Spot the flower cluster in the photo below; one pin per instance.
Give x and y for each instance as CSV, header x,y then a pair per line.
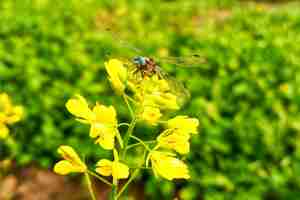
x,y
9,114
147,98
104,129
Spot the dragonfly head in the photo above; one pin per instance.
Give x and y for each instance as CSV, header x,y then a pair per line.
x,y
139,60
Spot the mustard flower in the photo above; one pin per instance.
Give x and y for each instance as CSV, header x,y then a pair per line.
x,y
4,131
167,166
163,100
103,120
113,168
9,114
183,124
117,74
151,115
156,92
153,96
172,139
71,163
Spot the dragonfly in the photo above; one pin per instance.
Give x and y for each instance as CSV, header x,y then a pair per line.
x,y
148,66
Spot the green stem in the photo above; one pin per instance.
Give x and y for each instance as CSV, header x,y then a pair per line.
x,y
119,138
139,167
90,187
140,141
99,177
114,191
123,124
133,176
125,97
128,135
137,144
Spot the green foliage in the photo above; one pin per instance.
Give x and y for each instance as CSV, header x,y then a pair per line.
x,y
246,95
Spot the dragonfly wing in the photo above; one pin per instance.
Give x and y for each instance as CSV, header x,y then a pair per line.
x,y
119,44
176,87
184,61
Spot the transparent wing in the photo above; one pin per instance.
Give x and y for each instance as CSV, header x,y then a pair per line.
x,y
194,60
119,46
176,87
124,43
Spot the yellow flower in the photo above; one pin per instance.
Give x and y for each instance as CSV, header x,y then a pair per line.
x,y
114,168
71,162
79,107
164,100
151,115
103,120
171,139
154,92
4,131
167,166
117,74
9,114
177,134
184,124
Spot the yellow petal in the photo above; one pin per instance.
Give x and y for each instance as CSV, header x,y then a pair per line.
x,y
112,168
164,100
163,85
4,131
64,167
5,102
98,129
172,140
120,170
79,107
184,124
15,115
2,118
106,139
151,115
117,74
69,154
168,167
104,167
8,112
105,114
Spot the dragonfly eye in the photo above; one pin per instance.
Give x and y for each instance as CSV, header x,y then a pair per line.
x,y
136,60
139,60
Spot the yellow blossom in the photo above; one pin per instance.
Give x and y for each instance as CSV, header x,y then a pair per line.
x,y
155,92
103,120
9,114
79,107
164,100
167,166
113,168
4,131
184,124
71,162
117,74
151,115
171,139
177,134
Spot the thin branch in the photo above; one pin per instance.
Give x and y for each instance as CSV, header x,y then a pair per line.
x,y
140,141
99,177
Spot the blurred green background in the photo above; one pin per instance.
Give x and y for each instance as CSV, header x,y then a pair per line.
x,y
246,96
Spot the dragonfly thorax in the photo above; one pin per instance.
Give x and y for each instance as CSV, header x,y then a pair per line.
x,y
140,60
145,65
